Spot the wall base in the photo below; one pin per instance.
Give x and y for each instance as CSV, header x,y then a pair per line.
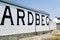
x,y
20,36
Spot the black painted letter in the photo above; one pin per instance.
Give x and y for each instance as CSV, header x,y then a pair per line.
x,y
42,16
30,23
22,17
37,19
47,19
7,16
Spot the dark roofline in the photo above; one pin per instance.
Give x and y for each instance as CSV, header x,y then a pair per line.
x,y
57,17
42,12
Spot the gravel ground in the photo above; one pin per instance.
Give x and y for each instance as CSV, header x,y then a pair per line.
x,y
55,35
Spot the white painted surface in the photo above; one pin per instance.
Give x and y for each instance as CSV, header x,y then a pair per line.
x,y
52,25
56,20
42,27
8,29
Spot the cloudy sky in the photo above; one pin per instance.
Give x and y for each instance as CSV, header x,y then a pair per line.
x,y
50,6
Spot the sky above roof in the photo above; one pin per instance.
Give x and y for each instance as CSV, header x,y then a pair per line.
x,y
50,6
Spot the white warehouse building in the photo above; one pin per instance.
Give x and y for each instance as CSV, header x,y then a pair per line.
x,y
20,21
57,21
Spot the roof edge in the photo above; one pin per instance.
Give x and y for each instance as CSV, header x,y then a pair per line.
x,y
32,9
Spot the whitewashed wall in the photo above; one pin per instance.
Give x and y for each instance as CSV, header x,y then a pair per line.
x,y
8,29
42,27
52,25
